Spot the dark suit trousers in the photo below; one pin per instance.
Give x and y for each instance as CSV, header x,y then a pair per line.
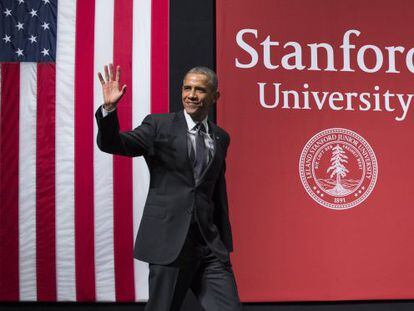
x,y
198,269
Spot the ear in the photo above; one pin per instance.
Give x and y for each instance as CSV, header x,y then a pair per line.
x,y
217,96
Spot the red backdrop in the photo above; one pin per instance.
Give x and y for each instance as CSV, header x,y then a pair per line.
x,y
289,246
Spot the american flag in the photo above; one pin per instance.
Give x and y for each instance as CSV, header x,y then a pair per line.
x,y
68,212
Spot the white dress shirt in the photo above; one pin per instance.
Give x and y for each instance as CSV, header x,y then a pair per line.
x,y
191,134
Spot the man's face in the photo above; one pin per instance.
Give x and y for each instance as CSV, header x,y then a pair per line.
x,y
197,95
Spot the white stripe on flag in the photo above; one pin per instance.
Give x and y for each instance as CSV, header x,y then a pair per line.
x,y
27,181
141,106
103,163
65,214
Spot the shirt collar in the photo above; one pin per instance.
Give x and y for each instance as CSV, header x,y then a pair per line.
x,y
191,123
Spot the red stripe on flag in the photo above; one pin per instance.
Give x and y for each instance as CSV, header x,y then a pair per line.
x,y
159,56
45,183
84,203
123,206
9,182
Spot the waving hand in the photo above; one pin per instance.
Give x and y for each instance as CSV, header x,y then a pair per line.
x,y
110,87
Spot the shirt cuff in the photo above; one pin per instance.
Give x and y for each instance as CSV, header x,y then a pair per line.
x,y
106,112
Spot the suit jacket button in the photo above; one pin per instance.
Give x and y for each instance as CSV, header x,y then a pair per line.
x,y
189,210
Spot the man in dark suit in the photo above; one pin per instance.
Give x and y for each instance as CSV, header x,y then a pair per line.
x,y
185,233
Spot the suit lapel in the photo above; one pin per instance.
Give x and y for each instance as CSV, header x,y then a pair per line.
x,y
218,151
180,140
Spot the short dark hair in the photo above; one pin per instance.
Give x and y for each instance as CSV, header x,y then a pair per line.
x,y
208,72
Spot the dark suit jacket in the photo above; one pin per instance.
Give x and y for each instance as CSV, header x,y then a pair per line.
x,y
173,193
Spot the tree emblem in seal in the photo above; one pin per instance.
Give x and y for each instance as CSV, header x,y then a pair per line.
x,y
338,168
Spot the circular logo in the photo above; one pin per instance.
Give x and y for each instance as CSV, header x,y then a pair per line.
x,y
338,168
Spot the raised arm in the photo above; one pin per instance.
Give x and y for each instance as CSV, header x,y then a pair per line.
x,y
131,143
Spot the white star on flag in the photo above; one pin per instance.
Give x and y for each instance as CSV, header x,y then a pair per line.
x,y
19,52
45,26
7,12
33,12
32,39
6,38
19,26
46,1
45,52
20,1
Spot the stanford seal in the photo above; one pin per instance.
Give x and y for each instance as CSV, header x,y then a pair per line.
x,y
338,168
